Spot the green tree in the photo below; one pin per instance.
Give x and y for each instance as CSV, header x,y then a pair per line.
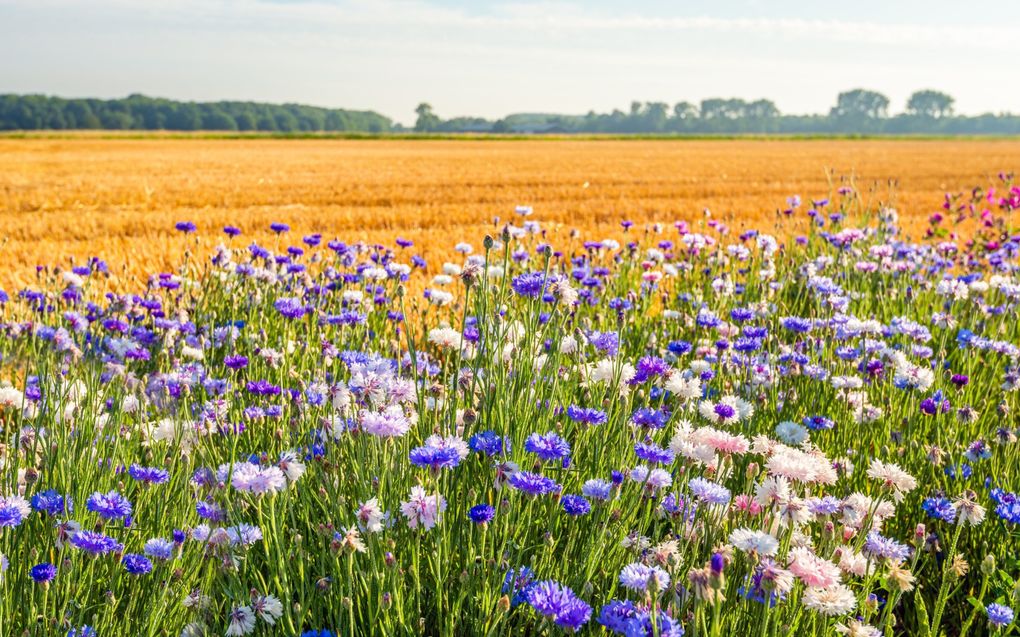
x,y
427,120
861,104
931,104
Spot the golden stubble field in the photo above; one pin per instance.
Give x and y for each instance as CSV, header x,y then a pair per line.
x,y
119,198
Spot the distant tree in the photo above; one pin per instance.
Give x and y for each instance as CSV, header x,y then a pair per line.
x,y
929,103
245,121
427,120
286,122
216,119
861,104
762,109
185,117
685,111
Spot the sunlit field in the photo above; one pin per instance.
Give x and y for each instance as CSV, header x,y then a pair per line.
x,y
117,199
316,388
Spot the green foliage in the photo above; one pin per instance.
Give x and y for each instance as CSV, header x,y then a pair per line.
x,y
138,112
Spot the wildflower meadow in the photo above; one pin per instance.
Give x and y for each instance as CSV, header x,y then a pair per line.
x,y
683,429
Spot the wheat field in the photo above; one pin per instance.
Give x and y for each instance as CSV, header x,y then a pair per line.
x,y
118,199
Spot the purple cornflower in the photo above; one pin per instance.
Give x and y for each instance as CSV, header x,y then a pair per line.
x,y
279,228
148,475
999,615
650,418
709,491
796,324
877,545
532,483
547,447
291,308
262,388
649,367
186,227
586,415
653,454
606,342
109,506
95,543
558,603
235,361
529,284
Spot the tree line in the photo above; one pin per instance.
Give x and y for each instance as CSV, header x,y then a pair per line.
x,y
857,111
138,112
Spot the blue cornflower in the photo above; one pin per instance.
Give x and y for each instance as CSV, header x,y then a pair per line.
x,y
597,489
517,583
586,415
1007,505
999,615
575,505
532,483
650,418
136,564
653,454
481,513
210,511
547,447
818,423
796,324
679,348
109,506
51,502
82,631
279,228
43,573
186,227
435,458
741,314
940,508
148,475
317,633
487,442
159,549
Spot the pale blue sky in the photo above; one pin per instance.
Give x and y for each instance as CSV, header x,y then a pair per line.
x,y
494,58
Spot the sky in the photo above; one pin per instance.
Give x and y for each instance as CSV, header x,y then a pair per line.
x,y
494,58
